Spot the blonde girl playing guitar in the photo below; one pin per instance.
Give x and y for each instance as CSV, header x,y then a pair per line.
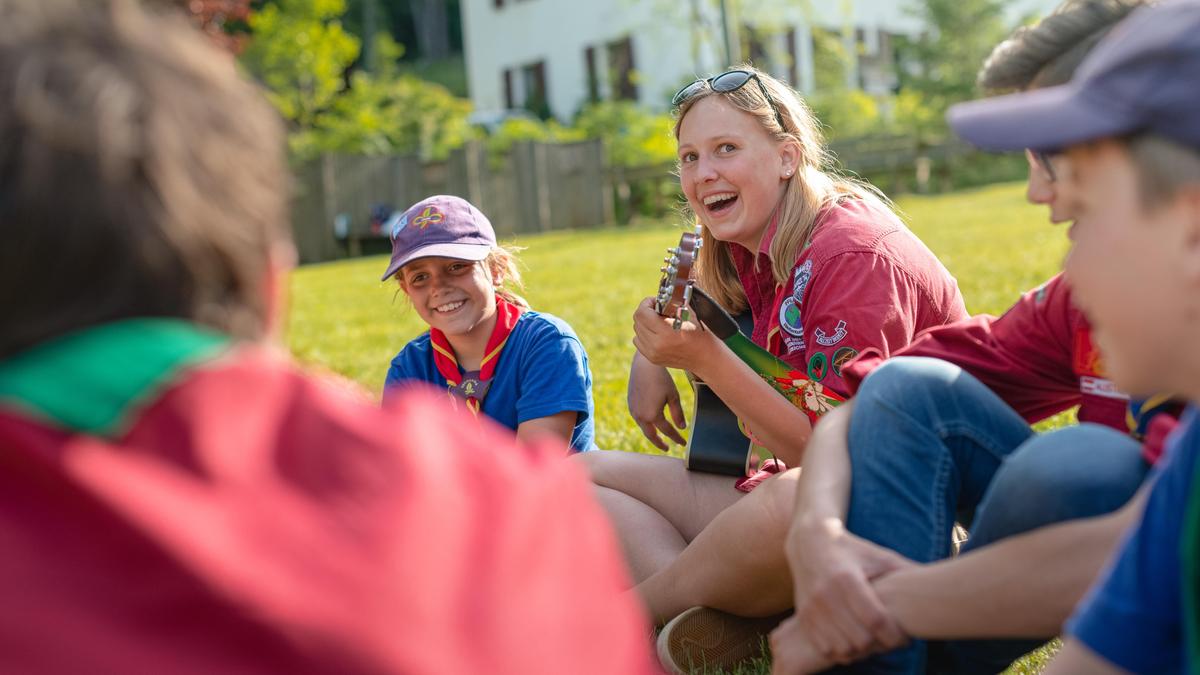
x,y
824,265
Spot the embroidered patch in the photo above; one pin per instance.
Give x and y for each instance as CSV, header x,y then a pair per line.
x,y
1086,359
818,367
1098,386
839,334
800,282
431,215
794,343
841,357
789,318
398,225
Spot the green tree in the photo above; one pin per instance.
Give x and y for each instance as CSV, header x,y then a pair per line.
x,y
300,52
303,55
634,135
393,114
518,129
940,65
847,113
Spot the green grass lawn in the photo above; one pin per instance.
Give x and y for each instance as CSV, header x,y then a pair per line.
x,y
344,319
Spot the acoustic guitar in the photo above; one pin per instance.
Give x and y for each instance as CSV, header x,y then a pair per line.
x,y
718,442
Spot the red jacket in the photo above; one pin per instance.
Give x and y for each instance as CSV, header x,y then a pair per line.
x,y
1038,357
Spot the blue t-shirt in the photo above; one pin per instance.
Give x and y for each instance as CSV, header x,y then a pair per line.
x,y
1133,616
543,370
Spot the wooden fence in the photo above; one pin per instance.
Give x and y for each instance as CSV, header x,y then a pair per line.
x,y
538,187
534,188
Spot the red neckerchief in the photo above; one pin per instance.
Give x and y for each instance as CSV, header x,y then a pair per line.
x,y
473,386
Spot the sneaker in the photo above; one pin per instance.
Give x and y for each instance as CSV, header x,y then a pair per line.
x,y
703,638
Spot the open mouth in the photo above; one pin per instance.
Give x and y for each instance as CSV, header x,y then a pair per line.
x,y
449,307
719,204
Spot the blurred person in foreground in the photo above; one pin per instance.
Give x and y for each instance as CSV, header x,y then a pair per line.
x,y
176,496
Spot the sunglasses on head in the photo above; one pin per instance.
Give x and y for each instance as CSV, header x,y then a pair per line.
x,y
730,80
1042,160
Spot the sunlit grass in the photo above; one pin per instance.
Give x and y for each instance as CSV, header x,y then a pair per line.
x,y
344,319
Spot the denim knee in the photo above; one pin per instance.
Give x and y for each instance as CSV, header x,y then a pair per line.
x,y
1075,472
909,378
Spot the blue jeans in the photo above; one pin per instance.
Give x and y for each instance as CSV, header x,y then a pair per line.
x,y
930,444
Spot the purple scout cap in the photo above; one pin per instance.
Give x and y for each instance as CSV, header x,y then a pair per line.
x,y
1144,76
442,225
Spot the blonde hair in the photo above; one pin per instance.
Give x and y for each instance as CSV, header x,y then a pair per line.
x,y
813,187
501,262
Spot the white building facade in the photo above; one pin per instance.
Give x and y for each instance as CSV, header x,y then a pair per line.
x,y
554,56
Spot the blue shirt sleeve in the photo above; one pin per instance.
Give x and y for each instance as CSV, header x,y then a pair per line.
x,y
556,378
413,363
1133,616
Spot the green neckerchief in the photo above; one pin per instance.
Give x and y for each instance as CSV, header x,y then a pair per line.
x,y
91,380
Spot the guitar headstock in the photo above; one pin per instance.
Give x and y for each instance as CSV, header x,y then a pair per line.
x,y
675,288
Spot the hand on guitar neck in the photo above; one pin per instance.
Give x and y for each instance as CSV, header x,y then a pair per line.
x,y
652,396
664,331
683,328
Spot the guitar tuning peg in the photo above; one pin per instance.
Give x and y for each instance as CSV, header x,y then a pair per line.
x,y
663,270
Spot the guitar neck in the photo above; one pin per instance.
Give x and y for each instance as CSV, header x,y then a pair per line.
x,y
716,319
760,360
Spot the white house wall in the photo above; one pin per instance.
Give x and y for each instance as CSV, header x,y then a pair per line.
x,y
667,51
557,32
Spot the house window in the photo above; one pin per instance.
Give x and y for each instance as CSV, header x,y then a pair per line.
x,y
593,77
621,69
533,76
509,103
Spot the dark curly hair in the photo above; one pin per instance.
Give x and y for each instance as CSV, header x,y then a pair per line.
x,y
1047,53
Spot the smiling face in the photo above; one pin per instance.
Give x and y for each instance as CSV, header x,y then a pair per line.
x,y
458,297
732,172
1133,271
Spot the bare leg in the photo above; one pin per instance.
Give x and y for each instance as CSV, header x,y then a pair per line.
x,y
737,564
656,505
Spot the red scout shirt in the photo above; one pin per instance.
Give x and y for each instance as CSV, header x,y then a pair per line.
x,y
172,505
1038,357
863,282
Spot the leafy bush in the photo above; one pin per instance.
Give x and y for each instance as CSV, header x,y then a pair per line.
x,y
633,135
517,129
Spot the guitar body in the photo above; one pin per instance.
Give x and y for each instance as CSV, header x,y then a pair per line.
x,y
716,443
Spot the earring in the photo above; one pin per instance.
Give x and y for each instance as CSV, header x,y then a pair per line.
x,y
787,174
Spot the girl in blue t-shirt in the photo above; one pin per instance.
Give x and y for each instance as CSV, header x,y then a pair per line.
x,y
524,369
